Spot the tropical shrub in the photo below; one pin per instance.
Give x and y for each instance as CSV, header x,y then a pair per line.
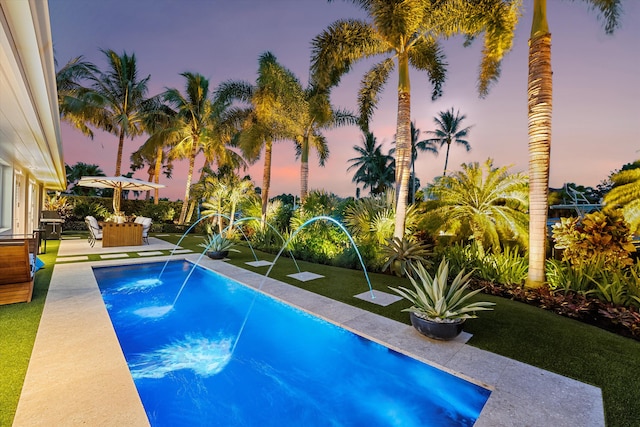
x,y
625,194
90,208
319,241
563,277
162,212
597,234
404,256
60,204
484,203
507,267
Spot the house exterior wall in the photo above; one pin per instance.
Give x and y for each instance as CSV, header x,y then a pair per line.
x,y
31,160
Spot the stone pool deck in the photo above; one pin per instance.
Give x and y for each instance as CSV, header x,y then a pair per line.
x,y
77,374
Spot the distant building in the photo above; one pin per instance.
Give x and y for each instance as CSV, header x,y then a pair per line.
x,y
31,159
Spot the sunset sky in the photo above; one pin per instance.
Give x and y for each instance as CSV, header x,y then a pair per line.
x,y
596,110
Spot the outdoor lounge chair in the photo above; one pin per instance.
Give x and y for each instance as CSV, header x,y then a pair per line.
x,y
146,225
17,269
95,232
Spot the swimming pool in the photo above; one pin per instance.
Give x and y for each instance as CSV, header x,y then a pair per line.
x,y
198,365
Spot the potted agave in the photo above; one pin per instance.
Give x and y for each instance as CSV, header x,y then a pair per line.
x,y
439,308
217,246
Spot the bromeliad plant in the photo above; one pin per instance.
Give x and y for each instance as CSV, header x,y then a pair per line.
x,y
434,298
405,256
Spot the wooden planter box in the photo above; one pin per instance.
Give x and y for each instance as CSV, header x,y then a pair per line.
x,y
127,234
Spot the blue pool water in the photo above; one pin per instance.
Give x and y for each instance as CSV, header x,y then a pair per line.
x,y
288,367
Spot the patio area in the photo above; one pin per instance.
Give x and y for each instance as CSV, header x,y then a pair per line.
x,y
78,375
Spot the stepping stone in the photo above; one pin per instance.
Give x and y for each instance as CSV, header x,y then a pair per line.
x,y
150,253
381,298
305,276
182,251
259,263
109,256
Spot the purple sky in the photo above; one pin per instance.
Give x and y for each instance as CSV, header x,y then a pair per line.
x,y
596,110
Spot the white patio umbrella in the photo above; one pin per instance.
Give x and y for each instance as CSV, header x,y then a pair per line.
x,y
117,183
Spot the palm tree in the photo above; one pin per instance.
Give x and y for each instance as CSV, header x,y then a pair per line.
x,y
77,171
406,32
192,127
121,97
448,131
539,89
316,114
116,101
154,156
271,112
486,202
73,108
625,195
374,169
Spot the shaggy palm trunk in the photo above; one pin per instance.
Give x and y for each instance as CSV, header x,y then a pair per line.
x,y
150,173
539,112
446,159
156,174
117,192
185,202
266,179
194,203
304,169
403,150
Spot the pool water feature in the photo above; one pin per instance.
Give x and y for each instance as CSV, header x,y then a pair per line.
x,y
289,368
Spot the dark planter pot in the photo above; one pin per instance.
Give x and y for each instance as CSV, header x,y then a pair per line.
x,y
217,254
437,330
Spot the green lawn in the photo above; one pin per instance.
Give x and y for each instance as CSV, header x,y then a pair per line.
x,y
513,329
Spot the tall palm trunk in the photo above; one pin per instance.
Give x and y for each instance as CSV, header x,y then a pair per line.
x,y
156,174
403,151
193,203
266,179
539,113
117,192
446,159
192,162
304,169
151,173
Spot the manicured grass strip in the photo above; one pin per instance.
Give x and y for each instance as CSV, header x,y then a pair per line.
x,y
18,328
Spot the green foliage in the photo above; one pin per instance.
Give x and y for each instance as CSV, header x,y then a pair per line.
x,y
508,267
485,203
565,278
90,208
162,212
625,194
437,299
597,234
597,278
60,204
403,256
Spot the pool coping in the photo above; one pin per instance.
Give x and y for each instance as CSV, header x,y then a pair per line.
x,y
78,375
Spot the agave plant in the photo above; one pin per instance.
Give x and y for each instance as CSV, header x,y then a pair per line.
x,y
217,243
436,299
404,256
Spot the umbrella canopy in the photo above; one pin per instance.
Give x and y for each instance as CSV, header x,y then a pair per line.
x,y
117,183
